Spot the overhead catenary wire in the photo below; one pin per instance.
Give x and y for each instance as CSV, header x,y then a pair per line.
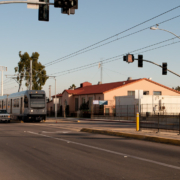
x,y
83,50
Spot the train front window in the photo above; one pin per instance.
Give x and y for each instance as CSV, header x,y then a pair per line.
x,y
3,112
37,100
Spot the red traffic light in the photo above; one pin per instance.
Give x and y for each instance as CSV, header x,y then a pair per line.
x,y
129,58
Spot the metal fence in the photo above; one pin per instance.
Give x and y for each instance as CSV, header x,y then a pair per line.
x,y
170,122
161,108
69,114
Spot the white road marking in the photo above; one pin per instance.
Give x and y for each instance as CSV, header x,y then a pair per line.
x,y
64,132
109,151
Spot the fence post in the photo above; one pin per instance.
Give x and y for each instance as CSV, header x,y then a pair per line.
x,y
179,124
158,122
64,111
137,122
127,112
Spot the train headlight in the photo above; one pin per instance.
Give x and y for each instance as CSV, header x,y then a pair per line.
x,y
31,110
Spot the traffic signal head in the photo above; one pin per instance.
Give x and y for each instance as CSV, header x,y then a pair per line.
x,y
164,68
124,58
43,11
67,11
66,4
140,60
129,58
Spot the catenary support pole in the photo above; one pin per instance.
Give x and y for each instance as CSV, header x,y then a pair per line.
x,y
55,101
2,82
2,68
30,74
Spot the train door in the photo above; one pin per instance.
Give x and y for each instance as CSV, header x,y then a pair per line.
x,y
2,104
11,107
21,106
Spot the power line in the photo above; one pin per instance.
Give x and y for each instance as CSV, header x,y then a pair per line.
x,y
75,53
119,58
112,58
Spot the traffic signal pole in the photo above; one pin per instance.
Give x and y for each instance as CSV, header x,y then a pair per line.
x,y
28,2
160,66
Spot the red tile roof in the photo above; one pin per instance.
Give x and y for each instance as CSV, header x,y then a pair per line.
x,y
57,95
100,88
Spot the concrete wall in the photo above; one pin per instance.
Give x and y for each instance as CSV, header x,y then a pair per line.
x,y
153,104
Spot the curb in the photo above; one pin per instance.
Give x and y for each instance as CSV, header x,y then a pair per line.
x,y
120,121
134,136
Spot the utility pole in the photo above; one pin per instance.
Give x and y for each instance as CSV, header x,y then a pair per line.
x,y
2,68
100,66
49,92
30,74
101,70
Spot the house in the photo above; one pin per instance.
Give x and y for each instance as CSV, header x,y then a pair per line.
x,y
51,104
108,91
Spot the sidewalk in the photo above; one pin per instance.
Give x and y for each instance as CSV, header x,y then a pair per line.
x,y
122,128
148,135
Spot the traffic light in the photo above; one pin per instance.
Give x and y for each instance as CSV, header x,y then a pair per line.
x,y
67,11
43,11
66,4
164,68
124,58
129,58
140,60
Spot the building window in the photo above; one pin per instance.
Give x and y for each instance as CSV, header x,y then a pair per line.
x,y
107,111
60,102
99,98
145,92
83,100
131,93
65,102
157,93
76,104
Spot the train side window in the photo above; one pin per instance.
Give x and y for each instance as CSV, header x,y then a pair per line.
x,y
14,102
25,102
0,104
17,102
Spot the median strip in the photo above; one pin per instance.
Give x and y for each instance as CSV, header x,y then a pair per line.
x,y
134,136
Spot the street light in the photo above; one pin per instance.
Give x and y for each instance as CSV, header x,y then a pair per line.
x,y
157,28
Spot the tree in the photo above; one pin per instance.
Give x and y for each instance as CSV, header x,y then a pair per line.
x,y
84,106
73,86
177,88
39,77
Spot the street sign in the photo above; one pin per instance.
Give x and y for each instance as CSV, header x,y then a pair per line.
x,y
138,94
103,102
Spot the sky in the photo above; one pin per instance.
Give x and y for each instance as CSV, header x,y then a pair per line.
x,y
94,21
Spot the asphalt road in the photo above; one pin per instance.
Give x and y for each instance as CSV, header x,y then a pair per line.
x,y
52,151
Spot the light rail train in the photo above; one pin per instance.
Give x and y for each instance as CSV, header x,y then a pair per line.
x,y
27,105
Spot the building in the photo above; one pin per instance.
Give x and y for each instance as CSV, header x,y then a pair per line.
x,y
108,91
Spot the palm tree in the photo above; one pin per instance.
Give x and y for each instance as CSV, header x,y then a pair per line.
x,y
72,87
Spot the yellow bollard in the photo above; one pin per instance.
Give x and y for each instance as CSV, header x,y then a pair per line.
x,y
137,122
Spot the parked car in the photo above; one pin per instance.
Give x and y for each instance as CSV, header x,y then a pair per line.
x,y
4,116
